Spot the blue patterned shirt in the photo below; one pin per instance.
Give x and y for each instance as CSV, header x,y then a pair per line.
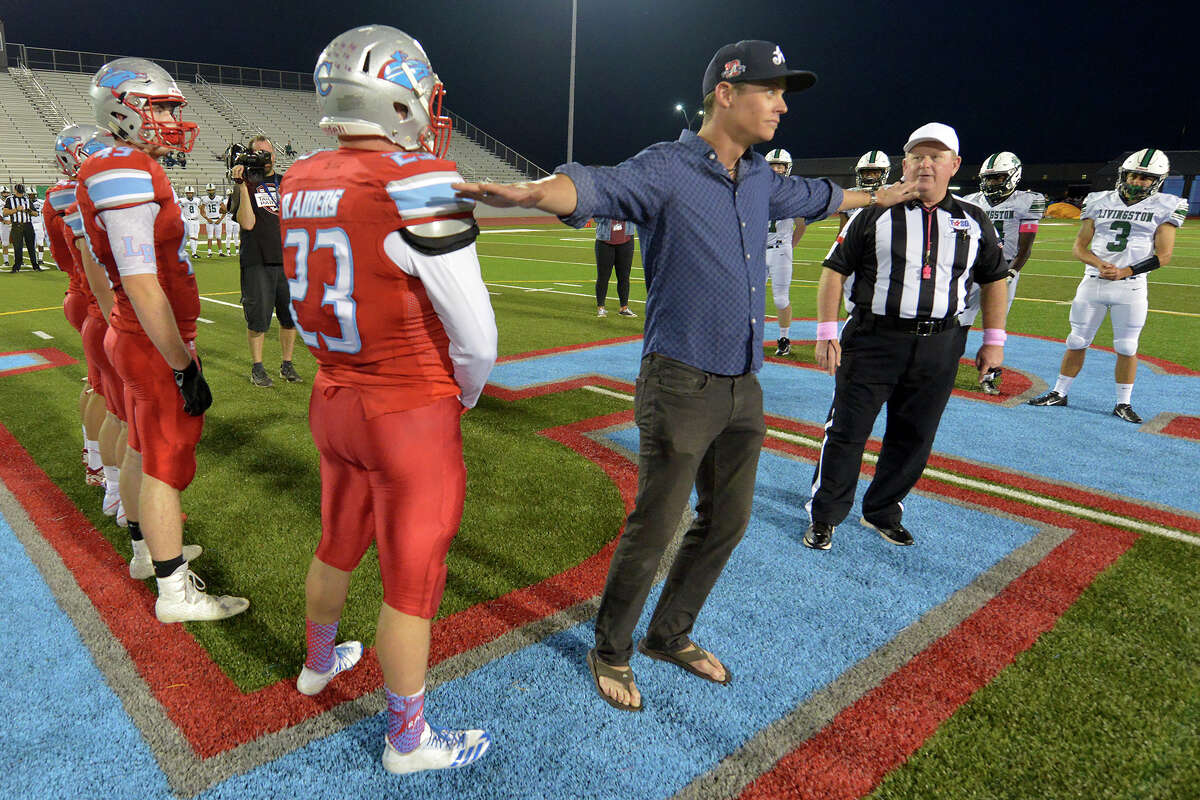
x,y
704,240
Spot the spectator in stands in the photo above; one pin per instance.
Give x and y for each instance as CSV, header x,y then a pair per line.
x,y
168,160
289,151
182,159
19,212
255,207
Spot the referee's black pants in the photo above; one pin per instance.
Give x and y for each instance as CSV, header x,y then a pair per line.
x,y
22,233
914,375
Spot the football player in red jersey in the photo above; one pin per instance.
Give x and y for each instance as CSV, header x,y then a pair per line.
x,y
64,229
387,294
135,229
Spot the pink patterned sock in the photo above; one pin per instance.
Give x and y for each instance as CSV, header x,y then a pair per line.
x,y
406,720
320,645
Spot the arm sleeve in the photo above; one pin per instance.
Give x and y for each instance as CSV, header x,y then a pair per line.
x,y
455,288
1179,214
131,237
804,197
1089,207
635,189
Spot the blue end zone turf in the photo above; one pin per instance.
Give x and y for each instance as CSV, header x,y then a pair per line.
x,y
786,620
65,733
1082,443
13,361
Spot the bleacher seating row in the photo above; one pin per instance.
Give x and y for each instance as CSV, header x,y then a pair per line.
x,y
287,116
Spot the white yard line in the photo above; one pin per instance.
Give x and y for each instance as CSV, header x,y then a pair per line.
x,y
206,321
971,483
42,335
221,302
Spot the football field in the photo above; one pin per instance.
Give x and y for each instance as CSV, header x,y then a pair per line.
x,y
1041,640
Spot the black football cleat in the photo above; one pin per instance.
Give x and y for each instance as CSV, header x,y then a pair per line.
x,y
896,534
1050,398
783,347
819,536
1126,412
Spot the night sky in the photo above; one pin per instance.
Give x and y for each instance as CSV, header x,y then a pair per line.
x,y
1048,82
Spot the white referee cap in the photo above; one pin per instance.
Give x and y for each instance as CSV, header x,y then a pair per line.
x,y
938,132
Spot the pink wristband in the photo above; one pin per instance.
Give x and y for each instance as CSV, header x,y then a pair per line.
x,y
994,336
826,331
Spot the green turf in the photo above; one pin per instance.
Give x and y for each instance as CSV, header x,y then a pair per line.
x,y
1067,708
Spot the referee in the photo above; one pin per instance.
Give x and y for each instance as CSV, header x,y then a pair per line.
x,y
19,212
906,272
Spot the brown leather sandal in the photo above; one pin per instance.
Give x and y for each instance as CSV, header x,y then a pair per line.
x,y
686,660
622,675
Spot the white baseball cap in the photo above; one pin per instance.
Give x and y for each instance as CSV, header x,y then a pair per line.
x,y
938,132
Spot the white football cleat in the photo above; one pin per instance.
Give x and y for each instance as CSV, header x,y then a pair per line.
x,y
345,656
181,598
439,749
112,502
141,566
122,520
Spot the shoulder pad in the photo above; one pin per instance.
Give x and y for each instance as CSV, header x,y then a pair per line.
x,y
441,242
119,177
61,197
424,196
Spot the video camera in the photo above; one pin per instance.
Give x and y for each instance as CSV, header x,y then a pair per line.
x,y
254,161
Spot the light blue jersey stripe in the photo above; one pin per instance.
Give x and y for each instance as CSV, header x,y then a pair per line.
x,y
121,191
421,201
61,200
75,221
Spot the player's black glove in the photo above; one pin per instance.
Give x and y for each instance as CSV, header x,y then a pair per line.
x,y
196,395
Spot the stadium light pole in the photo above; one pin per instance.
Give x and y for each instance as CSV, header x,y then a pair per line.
x,y
571,95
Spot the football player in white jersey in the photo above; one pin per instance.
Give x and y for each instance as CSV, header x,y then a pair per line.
x,y
870,173
210,210
190,207
233,238
1125,233
39,224
782,236
1015,213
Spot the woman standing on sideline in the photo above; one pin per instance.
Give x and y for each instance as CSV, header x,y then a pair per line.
x,y
614,247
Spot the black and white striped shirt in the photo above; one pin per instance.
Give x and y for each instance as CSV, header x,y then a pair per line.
x,y
21,205
916,263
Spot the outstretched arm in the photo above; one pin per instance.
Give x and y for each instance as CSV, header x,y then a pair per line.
x,y
555,194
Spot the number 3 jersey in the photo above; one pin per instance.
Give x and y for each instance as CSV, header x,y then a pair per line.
x,y
1125,233
1011,215
121,178
402,317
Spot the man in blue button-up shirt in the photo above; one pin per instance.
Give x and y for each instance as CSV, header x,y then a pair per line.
x,y
702,205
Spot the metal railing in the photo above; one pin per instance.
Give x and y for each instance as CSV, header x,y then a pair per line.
x,y
225,107
54,115
496,147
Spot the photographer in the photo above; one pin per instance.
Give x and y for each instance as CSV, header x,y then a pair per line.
x,y
255,206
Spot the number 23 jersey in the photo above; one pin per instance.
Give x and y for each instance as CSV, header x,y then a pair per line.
x,y
368,322
1125,233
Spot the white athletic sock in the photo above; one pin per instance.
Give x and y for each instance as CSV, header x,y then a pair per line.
x,y
83,428
784,332
1063,385
1124,392
93,448
112,478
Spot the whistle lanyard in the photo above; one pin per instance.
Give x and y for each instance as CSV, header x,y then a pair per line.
x,y
927,262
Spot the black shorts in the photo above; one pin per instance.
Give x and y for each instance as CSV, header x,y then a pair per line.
x,y
265,287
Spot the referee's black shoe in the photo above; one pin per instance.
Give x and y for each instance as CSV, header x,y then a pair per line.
x,y
896,534
819,536
1050,398
1126,412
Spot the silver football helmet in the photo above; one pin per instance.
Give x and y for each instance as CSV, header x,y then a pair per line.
x,y
364,74
872,170
999,176
1150,163
75,143
123,94
780,156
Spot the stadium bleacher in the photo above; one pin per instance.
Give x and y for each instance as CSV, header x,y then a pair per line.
x,y
285,115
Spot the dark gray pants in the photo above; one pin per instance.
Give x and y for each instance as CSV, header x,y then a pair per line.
x,y
696,429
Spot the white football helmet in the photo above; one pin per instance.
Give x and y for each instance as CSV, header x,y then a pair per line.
x,y
781,156
189,190
123,92
872,170
211,188
1148,162
363,74
75,143
999,176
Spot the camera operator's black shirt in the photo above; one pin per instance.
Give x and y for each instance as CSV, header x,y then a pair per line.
x,y
260,244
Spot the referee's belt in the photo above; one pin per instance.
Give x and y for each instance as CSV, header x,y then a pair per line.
x,y
775,246
916,326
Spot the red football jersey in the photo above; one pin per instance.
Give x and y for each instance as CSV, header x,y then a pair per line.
x,y
60,201
124,177
367,322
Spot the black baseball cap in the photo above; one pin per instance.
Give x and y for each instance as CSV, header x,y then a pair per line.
x,y
754,60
